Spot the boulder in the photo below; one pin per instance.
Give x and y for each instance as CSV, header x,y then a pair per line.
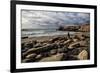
x,y
24,50
62,50
30,56
74,45
83,43
45,54
28,45
37,45
75,40
34,42
39,56
26,60
22,46
30,51
54,51
41,49
68,41
80,36
75,51
24,37
83,55
54,39
58,39
71,57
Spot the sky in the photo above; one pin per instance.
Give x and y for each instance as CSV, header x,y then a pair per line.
x,y
32,19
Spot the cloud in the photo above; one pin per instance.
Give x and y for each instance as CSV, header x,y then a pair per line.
x,y
49,19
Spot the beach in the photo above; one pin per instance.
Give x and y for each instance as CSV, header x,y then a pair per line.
x,y
64,47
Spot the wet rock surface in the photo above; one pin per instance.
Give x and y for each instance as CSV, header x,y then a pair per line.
x,y
74,47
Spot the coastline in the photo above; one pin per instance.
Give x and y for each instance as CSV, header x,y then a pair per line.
x,y
46,48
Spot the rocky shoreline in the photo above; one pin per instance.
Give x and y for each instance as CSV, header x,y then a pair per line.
x,y
58,48
80,28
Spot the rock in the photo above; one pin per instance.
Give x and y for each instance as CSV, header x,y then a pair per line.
x,y
30,56
83,43
28,45
83,55
76,36
26,60
62,50
61,39
34,42
44,44
30,51
75,40
71,57
38,56
38,45
69,28
74,45
60,45
24,37
57,57
24,50
54,51
41,49
68,41
51,46
75,51
54,39
22,46
80,36
85,28
45,54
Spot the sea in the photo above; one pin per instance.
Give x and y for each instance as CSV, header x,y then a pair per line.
x,y
42,32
